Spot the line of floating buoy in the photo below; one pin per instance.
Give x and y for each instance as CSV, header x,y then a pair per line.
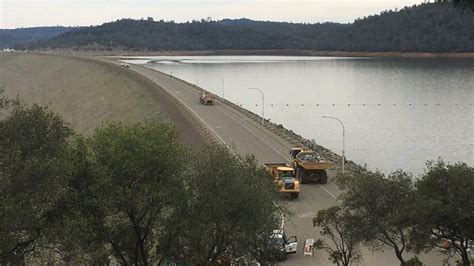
x,y
360,104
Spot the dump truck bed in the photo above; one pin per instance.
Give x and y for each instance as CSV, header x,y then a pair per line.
x,y
315,165
309,160
275,165
271,167
310,166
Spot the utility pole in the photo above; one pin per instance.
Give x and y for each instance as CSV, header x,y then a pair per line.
x,y
343,139
263,102
222,79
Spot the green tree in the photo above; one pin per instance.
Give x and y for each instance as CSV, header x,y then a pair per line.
x,y
341,237
445,208
432,27
138,172
415,261
230,210
465,3
33,177
3,99
131,192
125,182
78,235
385,205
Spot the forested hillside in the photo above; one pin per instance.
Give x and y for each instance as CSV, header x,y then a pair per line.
x,y
18,37
423,28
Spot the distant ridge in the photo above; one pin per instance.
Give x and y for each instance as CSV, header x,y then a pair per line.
x,y
233,22
433,28
16,38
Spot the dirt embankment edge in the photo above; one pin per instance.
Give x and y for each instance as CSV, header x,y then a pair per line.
x,y
111,85
189,122
189,129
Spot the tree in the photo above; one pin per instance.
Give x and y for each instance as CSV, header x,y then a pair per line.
x,y
125,182
78,234
33,177
130,193
465,3
137,182
445,208
342,238
3,99
433,27
230,210
6,104
385,205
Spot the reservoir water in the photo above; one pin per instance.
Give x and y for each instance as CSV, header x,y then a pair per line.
x,y
398,113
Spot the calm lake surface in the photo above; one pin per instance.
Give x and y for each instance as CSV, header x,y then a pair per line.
x,y
398,113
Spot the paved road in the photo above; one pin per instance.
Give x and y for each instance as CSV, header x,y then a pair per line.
x,y
248,136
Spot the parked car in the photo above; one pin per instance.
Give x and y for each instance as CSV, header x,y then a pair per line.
x,y
281,245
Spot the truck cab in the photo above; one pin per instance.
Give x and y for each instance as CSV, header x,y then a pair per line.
x,y
206,98
284,177
287,181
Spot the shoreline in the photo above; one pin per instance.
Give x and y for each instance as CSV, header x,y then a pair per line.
x,y
283,132
294,53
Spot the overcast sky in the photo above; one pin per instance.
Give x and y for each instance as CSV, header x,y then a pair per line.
x,y
28,13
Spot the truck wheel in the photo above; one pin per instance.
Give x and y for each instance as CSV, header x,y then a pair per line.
x,y
302,176
324,180
303,179
324,177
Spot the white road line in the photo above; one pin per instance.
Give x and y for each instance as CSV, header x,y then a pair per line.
x,y
330,194
207,125
201,119
222,140
282,216
255,134
273,148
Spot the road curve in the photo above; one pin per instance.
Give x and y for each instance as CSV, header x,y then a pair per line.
x,y
247,136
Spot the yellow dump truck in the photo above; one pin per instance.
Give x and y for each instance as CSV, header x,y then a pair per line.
x,y
206,98
284,176
309,166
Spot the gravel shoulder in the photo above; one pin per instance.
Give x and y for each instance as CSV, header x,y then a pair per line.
x,y
89,92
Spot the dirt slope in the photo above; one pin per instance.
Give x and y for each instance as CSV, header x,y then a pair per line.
x,y
88,92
